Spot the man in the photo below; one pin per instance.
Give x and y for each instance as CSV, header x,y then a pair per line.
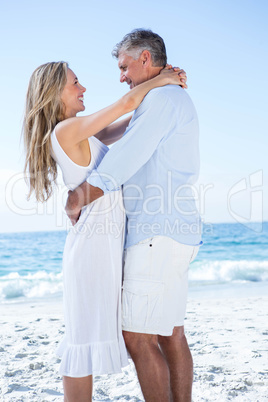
x,y
157,162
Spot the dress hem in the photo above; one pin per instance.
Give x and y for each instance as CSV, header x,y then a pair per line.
x,y
96,358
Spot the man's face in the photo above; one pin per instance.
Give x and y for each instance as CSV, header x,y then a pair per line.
x,y
131,71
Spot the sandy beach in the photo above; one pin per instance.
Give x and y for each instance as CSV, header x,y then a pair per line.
x,y
228,339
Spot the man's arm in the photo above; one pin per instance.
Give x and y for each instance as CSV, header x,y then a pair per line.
x,y
77,199
154,118
152,121
113,132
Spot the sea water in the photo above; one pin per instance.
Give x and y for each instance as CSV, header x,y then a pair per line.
x,y
232,260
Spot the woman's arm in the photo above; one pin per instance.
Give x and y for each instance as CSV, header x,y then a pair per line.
x,y
113,132
73,131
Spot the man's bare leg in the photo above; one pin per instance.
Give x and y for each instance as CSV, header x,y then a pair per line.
x,y
151,366
77,389
180,363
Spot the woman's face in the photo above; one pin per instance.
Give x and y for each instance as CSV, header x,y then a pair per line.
x,y
72,95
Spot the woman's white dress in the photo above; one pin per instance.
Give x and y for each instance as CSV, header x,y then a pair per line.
x,y
92,275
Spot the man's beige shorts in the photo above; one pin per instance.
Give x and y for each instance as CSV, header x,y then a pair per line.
x,y
155,285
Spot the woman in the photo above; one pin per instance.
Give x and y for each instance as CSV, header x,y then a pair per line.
x,y
92,260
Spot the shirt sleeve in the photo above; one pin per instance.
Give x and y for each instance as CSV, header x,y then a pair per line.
x,y
153,119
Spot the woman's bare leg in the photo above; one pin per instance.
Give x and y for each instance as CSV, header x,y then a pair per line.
x,y
77,389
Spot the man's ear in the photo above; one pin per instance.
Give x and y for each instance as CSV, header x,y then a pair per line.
x,y
146,58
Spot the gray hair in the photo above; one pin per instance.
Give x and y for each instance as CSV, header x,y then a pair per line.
x,y
138,40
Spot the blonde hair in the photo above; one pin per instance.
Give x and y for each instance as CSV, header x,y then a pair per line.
x,y
43,111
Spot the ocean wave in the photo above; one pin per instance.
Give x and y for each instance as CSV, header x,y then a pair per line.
x,y
40,284
34,285
222,271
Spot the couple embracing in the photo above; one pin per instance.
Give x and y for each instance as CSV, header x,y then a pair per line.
x,y
142,186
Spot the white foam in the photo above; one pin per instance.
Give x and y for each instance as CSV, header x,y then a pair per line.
x,y
229,271
45,284
32,285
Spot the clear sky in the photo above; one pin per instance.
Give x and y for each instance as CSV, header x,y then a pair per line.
x,y
222,45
